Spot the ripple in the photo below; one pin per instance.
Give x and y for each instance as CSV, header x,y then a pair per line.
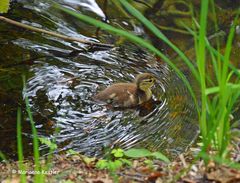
x,y
60,89
89,127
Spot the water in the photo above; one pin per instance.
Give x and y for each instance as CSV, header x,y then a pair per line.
x,y
89,127
60,89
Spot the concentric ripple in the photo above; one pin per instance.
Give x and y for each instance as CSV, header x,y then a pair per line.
x,y
60,91
63,93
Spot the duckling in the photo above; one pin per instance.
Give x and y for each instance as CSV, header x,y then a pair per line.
x,y
128,94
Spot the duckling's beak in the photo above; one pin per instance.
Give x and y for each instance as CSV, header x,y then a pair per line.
x,y
154,82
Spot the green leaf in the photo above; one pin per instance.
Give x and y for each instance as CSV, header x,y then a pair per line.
x,y
117,153
72,152
160,156
4,6
88,160
114,165
2,156
126,161
50,144
149,163
137,153
102,164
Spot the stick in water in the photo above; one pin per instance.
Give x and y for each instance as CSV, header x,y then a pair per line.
x,y
67,38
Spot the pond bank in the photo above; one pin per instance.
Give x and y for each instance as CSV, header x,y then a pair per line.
x,y
78,168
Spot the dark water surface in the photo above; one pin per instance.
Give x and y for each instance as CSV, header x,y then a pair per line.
x,y
60,88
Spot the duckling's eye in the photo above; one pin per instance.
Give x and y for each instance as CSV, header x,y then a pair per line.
x,y
149,80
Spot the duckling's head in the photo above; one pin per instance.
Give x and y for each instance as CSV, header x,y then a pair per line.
x,y
145,81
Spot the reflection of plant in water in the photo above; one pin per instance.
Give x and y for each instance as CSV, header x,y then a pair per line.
x,y
178,12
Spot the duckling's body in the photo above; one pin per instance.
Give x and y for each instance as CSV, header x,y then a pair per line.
x,y
128,94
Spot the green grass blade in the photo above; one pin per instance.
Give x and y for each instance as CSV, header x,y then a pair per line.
x,y
3,157
226,58
19,147
224,96
216,89
201,66
37,168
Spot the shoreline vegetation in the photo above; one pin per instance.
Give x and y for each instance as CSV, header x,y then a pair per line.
x,y
68,168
